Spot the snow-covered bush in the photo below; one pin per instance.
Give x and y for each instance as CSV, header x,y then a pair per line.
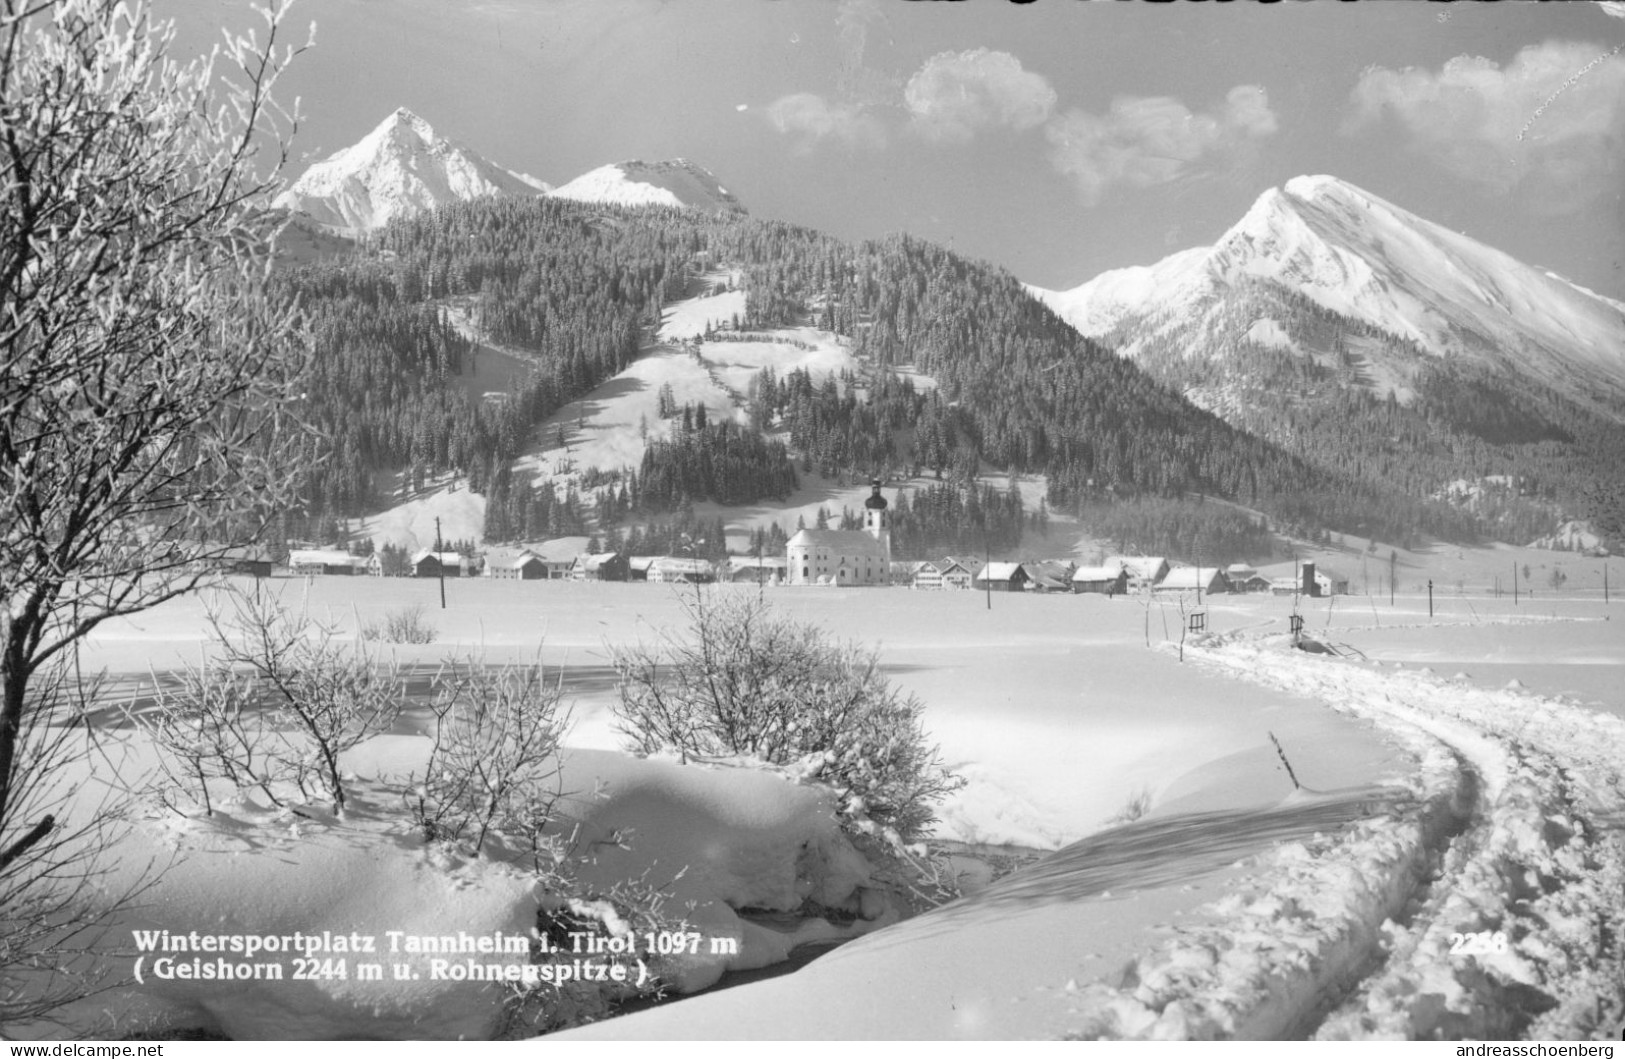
x,y
1138,804
622,920
207,727
406,625
493,764
278,701
745,681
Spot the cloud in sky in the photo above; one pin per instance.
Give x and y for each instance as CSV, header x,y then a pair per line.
x,y
955,95
1146,141
1550,123
810,118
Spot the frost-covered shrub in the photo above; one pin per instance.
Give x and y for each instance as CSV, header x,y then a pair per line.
x,y
745,681
406,625
493,761
621,921
278,703
1138,804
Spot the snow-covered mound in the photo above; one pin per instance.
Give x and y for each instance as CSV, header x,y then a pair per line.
x,y
677,183
398,168
1363,258
294,923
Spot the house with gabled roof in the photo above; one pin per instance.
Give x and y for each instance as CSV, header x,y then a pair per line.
x,y
1101,580
253,560
670,570
602,566
1048,575
1001,577
756,570
959,572
1206,579
428,563
903,572
1329,582
328,561
558,556
1142,569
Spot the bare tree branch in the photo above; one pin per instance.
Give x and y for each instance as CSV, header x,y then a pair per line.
x,y
146,369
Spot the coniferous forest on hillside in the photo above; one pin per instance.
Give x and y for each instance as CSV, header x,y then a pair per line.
x,y
579,288
1530,452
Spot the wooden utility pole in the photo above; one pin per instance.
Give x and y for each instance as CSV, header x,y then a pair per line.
x,y
439,564
1514,583
1430,597
987,558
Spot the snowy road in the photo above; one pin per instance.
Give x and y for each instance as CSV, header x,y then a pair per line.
x,y
1491,905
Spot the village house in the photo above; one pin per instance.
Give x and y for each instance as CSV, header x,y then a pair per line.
x,y
554,560
604,566
637,567
1327,582
959,573
1102,580
1142,569
903,572
1209,580
756,570
844,557
253,561
1049,575
327,561
428,563
669,570
928,575
1001,577
523,565
1244,578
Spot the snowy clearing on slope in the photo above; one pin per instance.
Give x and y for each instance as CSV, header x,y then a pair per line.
x,y
692,317
446,507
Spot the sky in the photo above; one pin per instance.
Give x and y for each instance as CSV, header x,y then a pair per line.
x,y
1056,139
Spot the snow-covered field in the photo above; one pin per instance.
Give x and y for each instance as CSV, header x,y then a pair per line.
x,y
1450,866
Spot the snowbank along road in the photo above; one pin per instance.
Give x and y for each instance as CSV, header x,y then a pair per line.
x,y
1489,904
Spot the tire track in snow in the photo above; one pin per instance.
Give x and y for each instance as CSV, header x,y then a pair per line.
x,y
1535,864
1508,832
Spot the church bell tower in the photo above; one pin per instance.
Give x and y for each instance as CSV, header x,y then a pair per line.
x,y
877,521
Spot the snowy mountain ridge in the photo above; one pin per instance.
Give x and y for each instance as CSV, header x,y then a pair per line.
x,y
1370,261
402,166
399,167
676,183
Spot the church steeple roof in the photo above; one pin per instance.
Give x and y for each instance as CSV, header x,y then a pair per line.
x,y
876,502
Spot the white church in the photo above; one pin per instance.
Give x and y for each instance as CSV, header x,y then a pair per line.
x,y
844,557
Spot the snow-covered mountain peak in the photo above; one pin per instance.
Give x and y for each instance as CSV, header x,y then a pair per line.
x,y
399,127
399,167
676,182
1376,264
1310,188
